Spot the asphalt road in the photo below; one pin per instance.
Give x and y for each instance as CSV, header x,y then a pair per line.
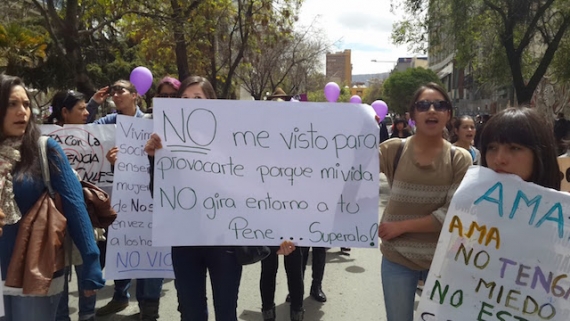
x,y
352,284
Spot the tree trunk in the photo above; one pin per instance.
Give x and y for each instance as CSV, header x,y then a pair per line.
x,y
180,41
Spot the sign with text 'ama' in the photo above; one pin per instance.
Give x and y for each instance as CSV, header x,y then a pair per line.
x,y
502,253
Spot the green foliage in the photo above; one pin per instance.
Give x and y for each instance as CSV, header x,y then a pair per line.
x,y
373,92
502,41
399,88
21,47
319,95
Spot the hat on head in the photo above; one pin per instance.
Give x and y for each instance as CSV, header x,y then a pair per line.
x,y
279,93
175,83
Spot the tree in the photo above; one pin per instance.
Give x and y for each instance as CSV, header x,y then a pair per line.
x,y
522,35
20,47
283,62
71,25
399,88
373,92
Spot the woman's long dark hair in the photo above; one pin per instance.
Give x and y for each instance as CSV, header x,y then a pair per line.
x,y
456,123
29,149
197,80
526,127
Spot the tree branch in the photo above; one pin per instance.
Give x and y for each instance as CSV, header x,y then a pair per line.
x,y
46,15
532,26
549,54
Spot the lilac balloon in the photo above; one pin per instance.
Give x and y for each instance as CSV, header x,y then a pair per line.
x,y
141,78
380,108
356,99
332,92
412,123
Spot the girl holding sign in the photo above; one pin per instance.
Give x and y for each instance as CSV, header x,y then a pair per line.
x,y
192,263
515,141
424,171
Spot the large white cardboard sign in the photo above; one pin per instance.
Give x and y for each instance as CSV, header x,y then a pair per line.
x,y
86,147
258,173
130,253
502,253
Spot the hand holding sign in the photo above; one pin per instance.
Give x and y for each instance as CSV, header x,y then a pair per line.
x,y
153,144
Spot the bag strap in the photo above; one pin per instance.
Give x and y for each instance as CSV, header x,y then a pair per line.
x,y
44,165
397,158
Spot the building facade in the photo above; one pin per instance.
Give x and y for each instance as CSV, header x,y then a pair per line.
x,y
339,67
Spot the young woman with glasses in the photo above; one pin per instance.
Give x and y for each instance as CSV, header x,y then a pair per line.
x,y
424,170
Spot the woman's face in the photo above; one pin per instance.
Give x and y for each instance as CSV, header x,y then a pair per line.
x,y
510,158
194,92
77,115
122,97
400,126
431,122
18,113
466,132
166,90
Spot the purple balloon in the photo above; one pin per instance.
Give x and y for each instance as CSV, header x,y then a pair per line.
x,y
141,78
332,92
356,99
380,108
412,123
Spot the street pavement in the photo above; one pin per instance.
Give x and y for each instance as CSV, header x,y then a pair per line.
x,y
352,285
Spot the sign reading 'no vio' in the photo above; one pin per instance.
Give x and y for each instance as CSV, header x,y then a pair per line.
x,y
258,173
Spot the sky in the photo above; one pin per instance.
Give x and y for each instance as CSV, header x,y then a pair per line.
x,y
364,26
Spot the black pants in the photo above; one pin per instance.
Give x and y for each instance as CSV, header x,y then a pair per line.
x,y
319,261
294,269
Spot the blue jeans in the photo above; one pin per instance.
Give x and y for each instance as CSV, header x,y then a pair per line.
x,y
20,308
147,290
86,304
190,264
399,284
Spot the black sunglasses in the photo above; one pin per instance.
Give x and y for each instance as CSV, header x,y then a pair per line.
x,y
167,95
438,105
115,89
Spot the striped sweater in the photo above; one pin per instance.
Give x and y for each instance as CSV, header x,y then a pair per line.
x,y
418,191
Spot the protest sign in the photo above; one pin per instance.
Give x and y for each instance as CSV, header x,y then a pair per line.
x,y
258,173
86,147
502,253
129,244
564,164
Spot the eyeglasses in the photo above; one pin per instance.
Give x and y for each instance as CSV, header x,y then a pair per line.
x,y
116,89
167,95
438,105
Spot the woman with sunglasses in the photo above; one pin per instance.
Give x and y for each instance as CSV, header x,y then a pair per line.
x,y
168,88
125,97
423,170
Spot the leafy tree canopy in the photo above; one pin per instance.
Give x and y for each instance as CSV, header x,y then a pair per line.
x,y
503,41
399,88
